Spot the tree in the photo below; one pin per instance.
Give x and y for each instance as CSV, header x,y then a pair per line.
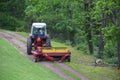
x,y
88,26
12,14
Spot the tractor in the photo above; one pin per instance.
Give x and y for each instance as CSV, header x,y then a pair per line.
x,y
39,45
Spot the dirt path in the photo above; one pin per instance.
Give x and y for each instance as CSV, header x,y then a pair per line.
x,y
16,35
21,47
57,70
72,71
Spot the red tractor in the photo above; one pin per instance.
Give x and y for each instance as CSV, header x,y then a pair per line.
x,y
39,45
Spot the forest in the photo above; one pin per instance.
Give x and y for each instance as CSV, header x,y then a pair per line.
x,y
92,26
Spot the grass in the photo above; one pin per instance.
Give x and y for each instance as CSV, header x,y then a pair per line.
x,y
70,74
57,44
67,72
96,73
14,66
23,34
22,41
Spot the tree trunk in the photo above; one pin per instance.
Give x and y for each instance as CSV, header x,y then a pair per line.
x,y
118,49
114,21
89,41
88,27
101,45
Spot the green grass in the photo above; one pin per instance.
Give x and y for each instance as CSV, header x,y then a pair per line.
x,y
57,44
70,74
23,34
67,72
96,73
14,66
22,41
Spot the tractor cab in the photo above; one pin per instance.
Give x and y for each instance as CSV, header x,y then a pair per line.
x,y
38,30
38,37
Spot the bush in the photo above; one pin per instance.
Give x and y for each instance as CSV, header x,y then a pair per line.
x,y
11,23
68,42
111,60
82,47
110,50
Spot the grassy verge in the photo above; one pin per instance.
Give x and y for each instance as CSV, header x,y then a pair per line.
x,y
21,41
96,73
23,34
13,66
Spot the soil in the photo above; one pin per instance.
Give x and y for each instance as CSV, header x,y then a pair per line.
x,y
14,39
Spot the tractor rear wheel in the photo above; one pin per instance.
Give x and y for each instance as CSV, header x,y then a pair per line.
x,y
35,60
29,46
48,43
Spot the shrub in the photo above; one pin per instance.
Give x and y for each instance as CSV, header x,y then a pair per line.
x,y
11,23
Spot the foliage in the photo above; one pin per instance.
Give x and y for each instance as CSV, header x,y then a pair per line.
x,y
60,16
12,15
8,22
112,33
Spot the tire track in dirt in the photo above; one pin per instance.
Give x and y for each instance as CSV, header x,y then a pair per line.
x,y
71,70
58,71
16,35
47,64
18,45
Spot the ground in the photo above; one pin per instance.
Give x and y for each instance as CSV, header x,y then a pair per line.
x,y
79,68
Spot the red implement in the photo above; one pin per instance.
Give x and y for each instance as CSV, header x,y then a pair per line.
x,y
50,53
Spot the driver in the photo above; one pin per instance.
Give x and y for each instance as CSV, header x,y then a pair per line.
x,y
40,31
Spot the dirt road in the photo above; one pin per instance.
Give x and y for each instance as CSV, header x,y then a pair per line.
x,y
16,40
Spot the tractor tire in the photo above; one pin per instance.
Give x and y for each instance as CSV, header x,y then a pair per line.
x,y
35,60
29,46
48,43
68,59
